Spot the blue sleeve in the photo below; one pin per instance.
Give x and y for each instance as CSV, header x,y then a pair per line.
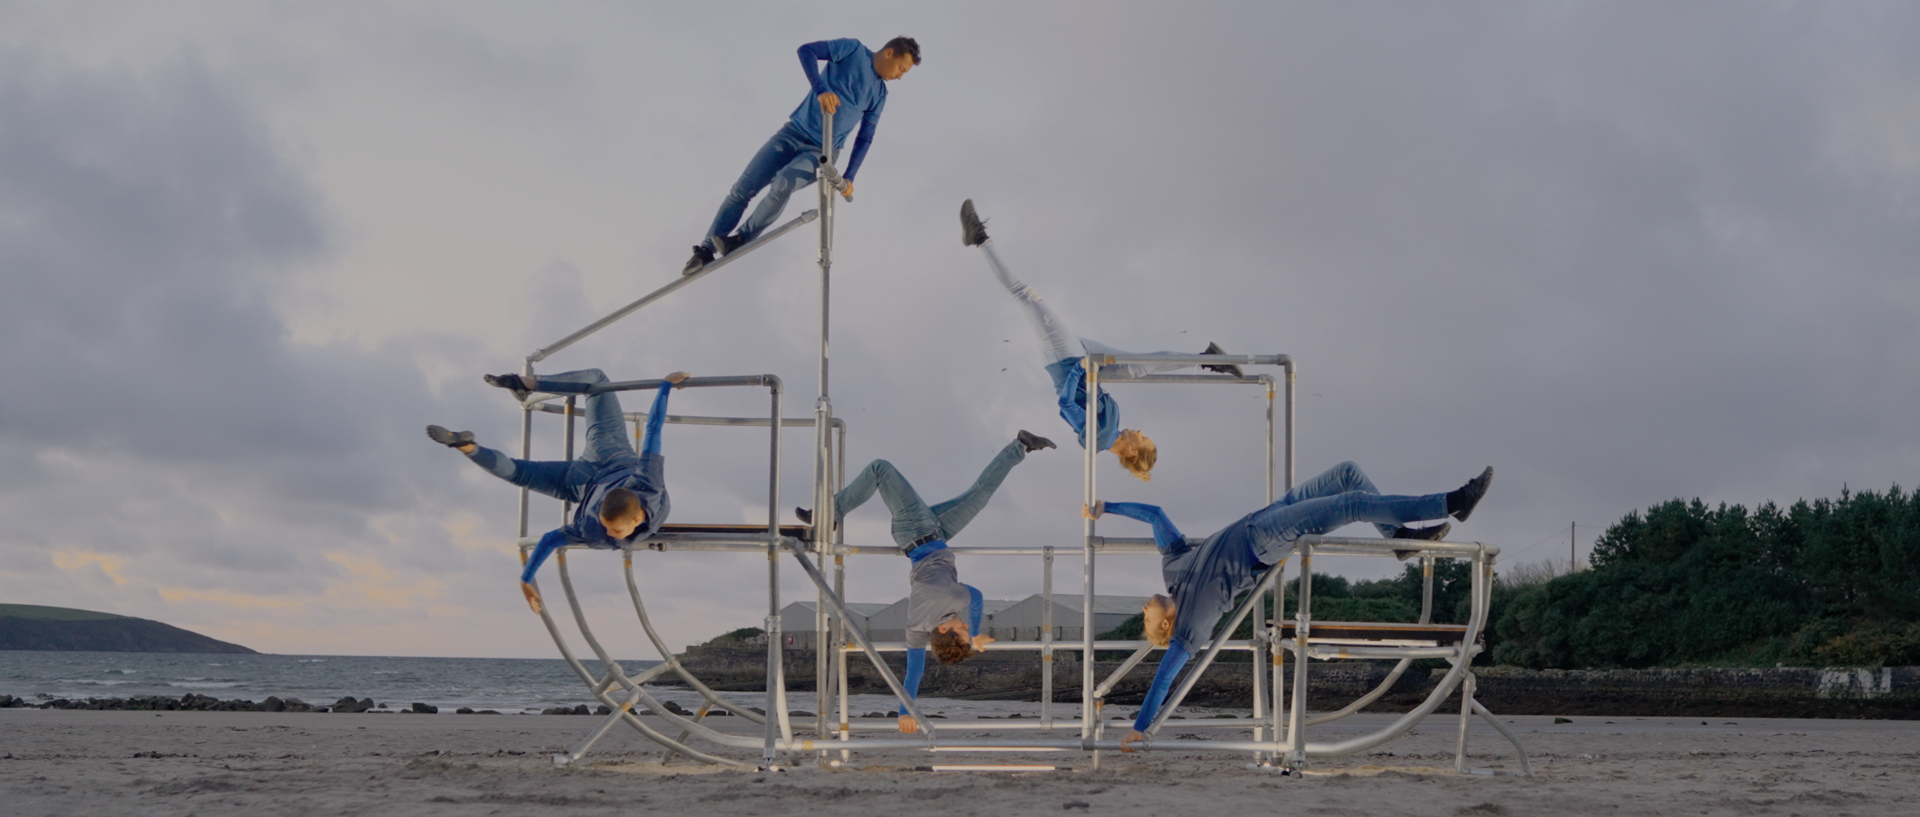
x,y
1070,409
810,56
916,665
976,605
1170,665
1164,533
650,442
865,139
548,544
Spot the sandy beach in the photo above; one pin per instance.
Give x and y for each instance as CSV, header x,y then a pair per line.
x,y
215,763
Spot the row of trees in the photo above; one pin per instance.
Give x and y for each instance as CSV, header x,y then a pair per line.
x,y
1823,583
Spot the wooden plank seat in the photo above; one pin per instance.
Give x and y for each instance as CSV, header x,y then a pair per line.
x,y
796,531
1378,633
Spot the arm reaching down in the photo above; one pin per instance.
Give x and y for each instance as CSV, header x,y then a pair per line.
x,y
549,543
1165,535
657,416
1170,665
916,666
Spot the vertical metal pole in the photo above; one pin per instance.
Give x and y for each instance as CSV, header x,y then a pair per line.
x,y
526,453
566,508
840,589
1092,449
1262,644
1302,626
824,515
1046,639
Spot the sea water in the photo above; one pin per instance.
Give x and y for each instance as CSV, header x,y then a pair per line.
x,y
506,685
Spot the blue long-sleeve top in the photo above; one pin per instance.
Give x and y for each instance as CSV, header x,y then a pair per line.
x,y
850,76
644,475
1203,578
917,656
1070,380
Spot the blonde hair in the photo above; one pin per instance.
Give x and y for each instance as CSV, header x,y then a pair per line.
x,y
1140,456
1163,635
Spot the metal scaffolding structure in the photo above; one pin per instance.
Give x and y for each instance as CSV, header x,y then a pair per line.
x,y
1275,735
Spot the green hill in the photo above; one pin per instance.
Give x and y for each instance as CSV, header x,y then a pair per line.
x,y
35,627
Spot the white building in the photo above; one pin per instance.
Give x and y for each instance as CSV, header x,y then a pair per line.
x,y
1021,622
797,618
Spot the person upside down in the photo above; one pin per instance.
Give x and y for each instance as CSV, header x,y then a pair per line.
x,y
1204,576
619,495
1063,355
942,614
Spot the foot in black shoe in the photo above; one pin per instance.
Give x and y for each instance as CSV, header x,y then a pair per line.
x,y
973,231
805,516
1432,534
1460,501
726,244
450,439
1224,368
1033,442
701,258
511,382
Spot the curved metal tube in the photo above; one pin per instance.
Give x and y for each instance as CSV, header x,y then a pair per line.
x,y
672,661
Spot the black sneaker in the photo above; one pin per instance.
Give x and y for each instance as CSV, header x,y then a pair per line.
x,y
450,439
1033,442
511,382
805,516
1432,534
701,258
1224,368
973,231
724,245
1460,501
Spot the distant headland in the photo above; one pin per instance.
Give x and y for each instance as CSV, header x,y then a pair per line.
x,y
35,627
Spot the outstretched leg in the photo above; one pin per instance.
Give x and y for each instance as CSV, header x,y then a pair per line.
x,y
799,172
1275,527
606,423
1343,478
912,519
955,513
773,157
561,480
1057,343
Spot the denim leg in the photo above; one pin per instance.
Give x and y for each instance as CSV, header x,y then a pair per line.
x,y
776,154
558,479
955,513
1056,340
800,171
912,519
1276,526
1334,481
606,425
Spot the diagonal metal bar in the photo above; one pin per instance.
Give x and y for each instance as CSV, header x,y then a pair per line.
x,y
840,609
544,353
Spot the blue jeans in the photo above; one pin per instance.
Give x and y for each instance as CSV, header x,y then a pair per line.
x,y
913,519
607,443
1338,496
787,162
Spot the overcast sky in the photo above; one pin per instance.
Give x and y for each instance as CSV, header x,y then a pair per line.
x,y
1624,252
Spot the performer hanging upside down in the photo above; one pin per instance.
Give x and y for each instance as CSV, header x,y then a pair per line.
x,y
853,89
1204,576
936,600
618,496
1063,354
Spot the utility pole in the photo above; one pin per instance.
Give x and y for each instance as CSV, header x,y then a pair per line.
x,y
1573,535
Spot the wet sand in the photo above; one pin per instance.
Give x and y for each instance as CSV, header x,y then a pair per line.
x,y
56,762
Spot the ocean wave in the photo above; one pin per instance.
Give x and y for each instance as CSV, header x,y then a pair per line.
x,y
207,684
312,661
90,682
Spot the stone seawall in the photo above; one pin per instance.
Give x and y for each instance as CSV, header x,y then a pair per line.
x,y
1884,693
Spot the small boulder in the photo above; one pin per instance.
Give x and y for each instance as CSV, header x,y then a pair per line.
x,y
425,709
465,710
273,704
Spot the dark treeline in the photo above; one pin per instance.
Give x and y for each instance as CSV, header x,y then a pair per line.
x,y
1823,583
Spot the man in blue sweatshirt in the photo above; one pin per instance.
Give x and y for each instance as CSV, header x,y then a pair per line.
x,y
1204,576
942,613
853,89
619,496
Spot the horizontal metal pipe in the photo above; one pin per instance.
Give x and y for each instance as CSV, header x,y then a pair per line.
x,y
1035,724
679,282
689,383
1128,547
1058,646
1354,546
684,419
1191,360
1190,379
1327,652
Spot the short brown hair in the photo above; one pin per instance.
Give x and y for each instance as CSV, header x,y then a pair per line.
x,y
619,504
950,647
